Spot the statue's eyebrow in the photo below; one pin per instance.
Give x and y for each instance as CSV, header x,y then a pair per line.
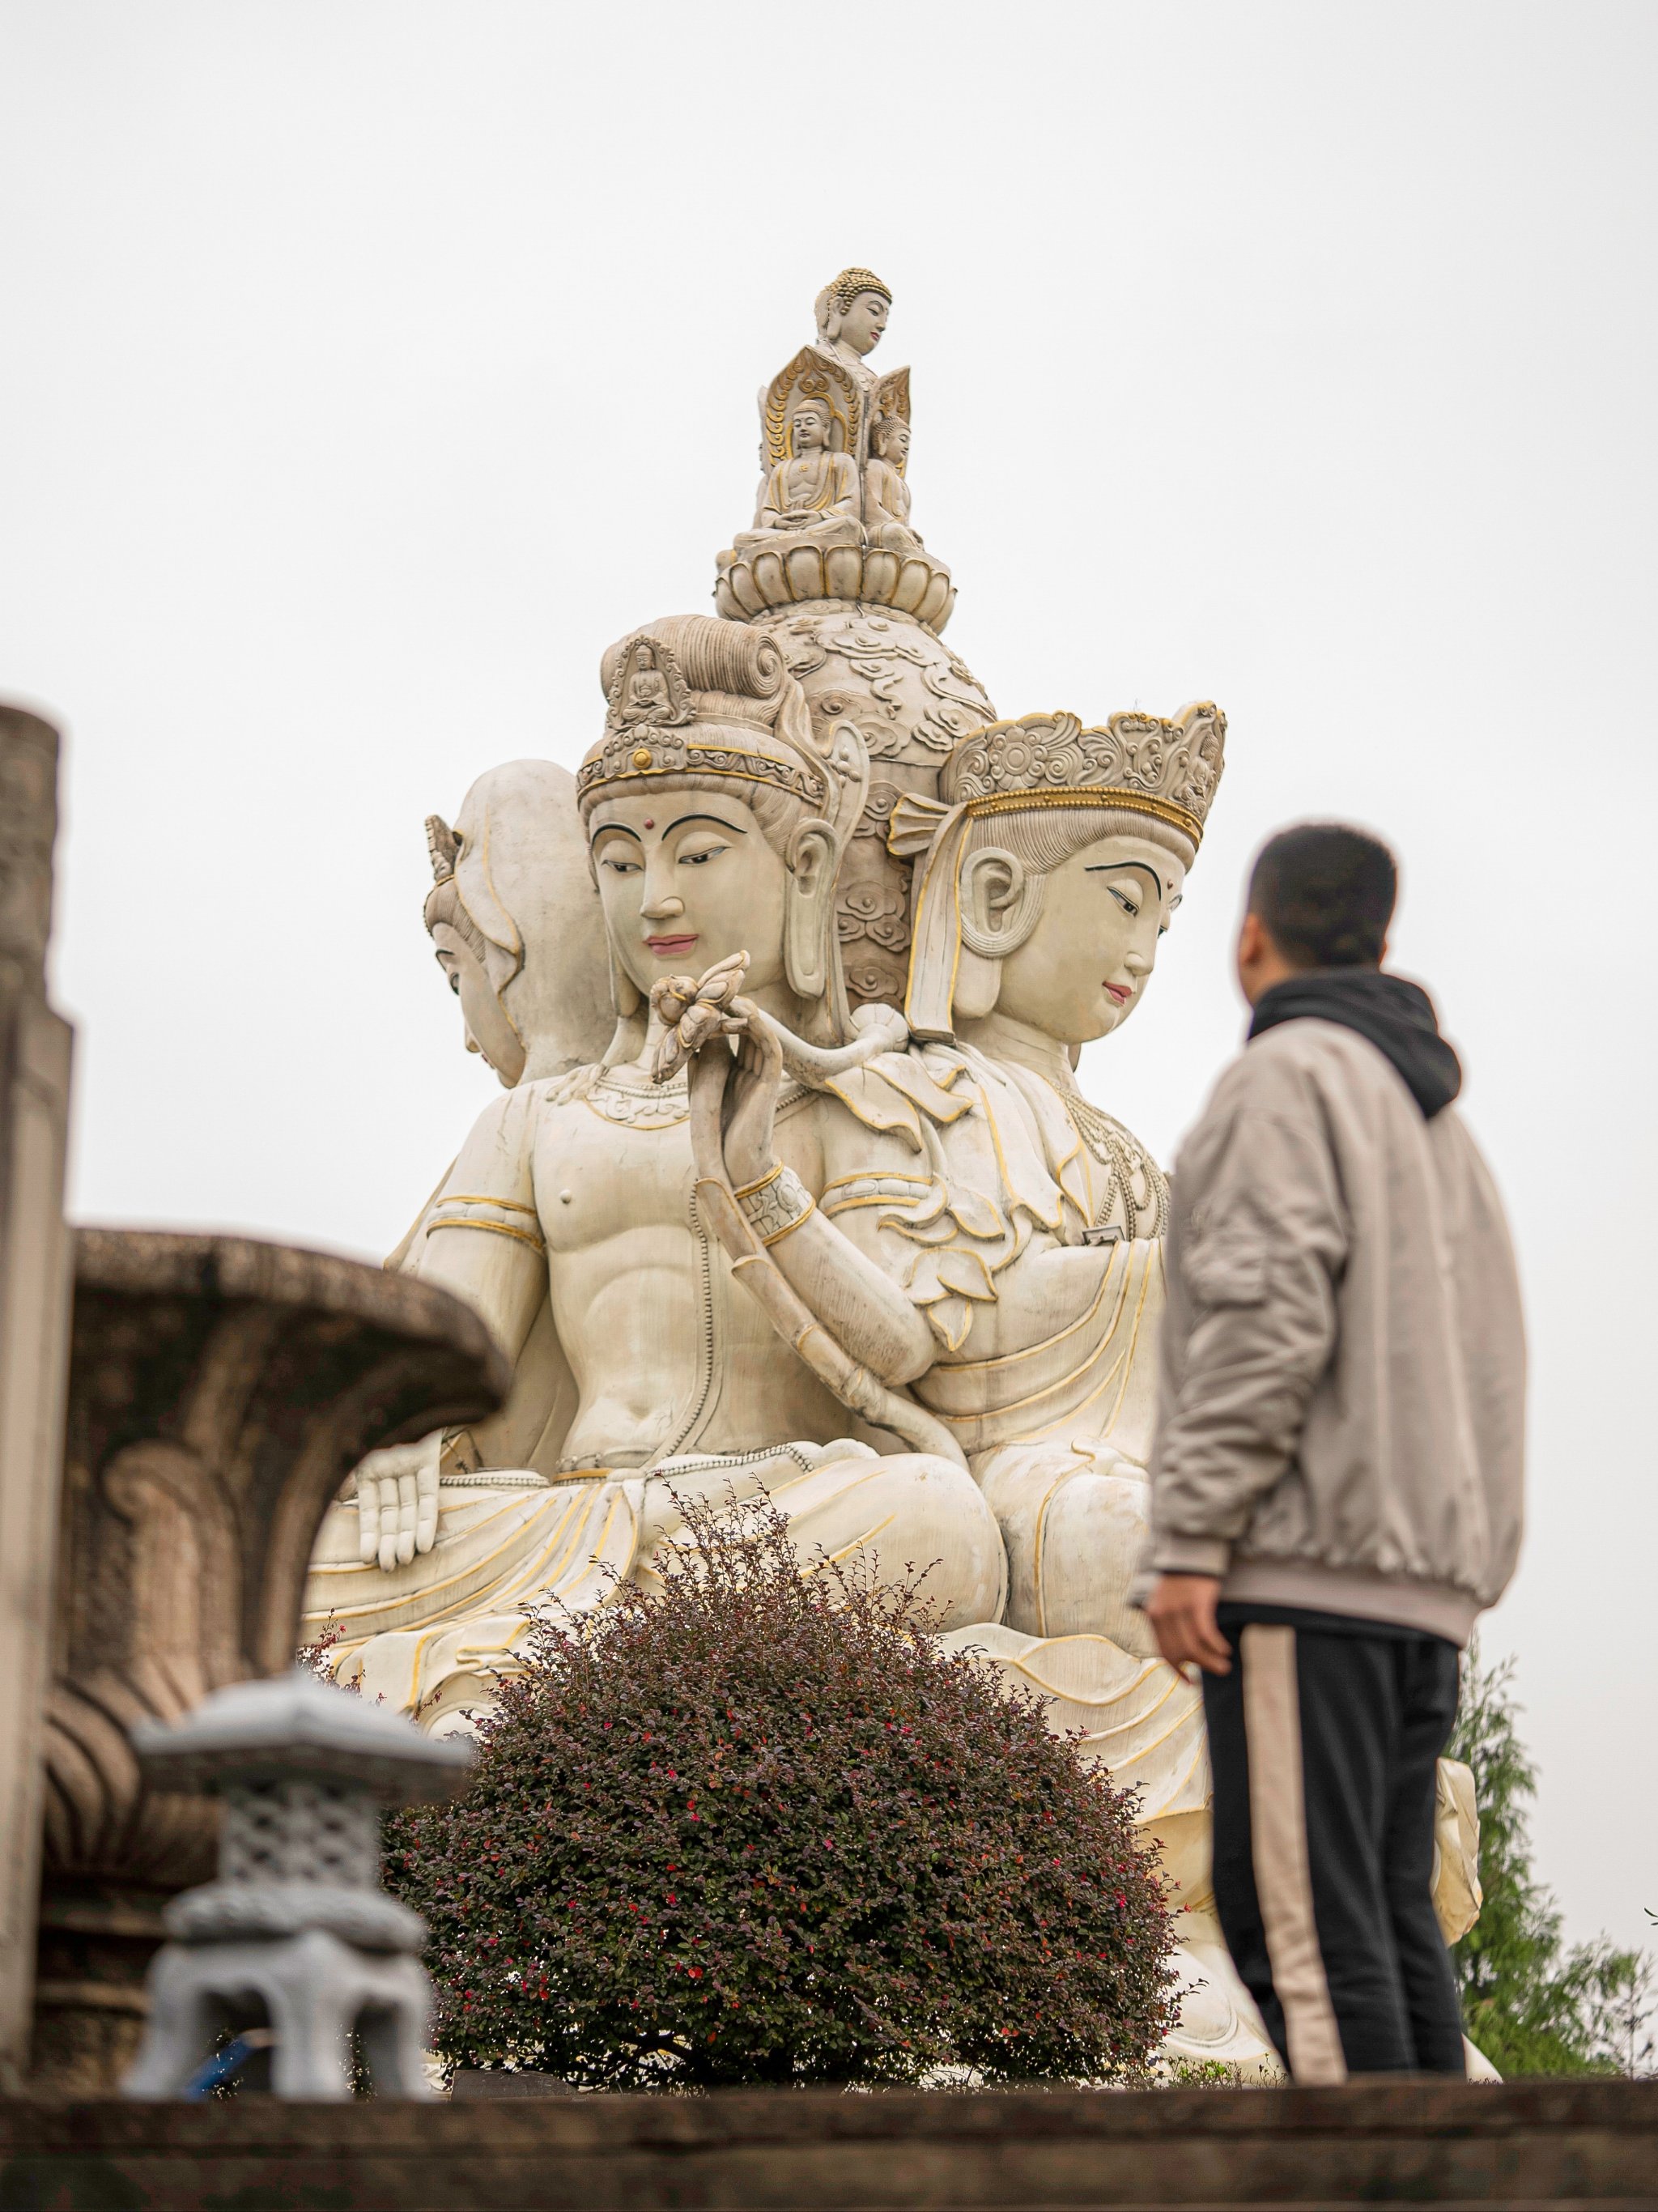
x,y
615,829
718,821
1110,868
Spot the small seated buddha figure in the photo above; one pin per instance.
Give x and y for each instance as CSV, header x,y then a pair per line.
x,y
886,495
812,493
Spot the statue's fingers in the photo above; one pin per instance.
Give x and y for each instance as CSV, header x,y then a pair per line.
x,y
368,1518
406,1518
387,1551
771,1052
426,1505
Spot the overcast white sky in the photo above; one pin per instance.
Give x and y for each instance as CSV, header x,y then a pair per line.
x,y
368,367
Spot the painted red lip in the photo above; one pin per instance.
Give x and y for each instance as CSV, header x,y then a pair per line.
x,y
1122,992
670,944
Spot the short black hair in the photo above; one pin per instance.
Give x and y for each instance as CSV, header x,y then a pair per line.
x,y
1325,893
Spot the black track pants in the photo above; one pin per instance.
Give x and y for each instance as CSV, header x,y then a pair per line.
x,y
1324,1738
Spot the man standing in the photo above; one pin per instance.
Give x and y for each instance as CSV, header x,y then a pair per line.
x,y
1336,1483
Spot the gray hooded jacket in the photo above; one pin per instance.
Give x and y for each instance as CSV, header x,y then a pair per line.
x,y
1342,1406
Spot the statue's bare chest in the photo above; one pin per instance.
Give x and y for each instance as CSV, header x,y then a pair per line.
x,y
616,1161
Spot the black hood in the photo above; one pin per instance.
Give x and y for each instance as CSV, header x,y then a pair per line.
x,y
1397,1017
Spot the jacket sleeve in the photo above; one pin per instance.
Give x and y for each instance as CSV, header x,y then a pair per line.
x,y
1257,1263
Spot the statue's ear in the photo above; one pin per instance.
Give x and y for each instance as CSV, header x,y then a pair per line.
x,y
808,911
1001,899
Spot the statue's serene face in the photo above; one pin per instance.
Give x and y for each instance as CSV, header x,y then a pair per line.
x,y
810,425
489,1032
863,322
1082,970
895,443
687,878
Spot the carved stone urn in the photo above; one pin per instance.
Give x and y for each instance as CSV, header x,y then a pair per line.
x,y
220,1390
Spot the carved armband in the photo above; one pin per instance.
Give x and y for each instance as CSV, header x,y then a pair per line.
x,y
780,1202
499,1217
904,1193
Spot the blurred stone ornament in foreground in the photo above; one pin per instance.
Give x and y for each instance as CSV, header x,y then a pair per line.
x,y
295,1936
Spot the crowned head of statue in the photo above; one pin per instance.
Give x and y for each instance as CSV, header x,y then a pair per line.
x,y
514,923
716,823
1051,865
851,312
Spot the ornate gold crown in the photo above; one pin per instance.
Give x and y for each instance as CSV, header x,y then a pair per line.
x,y
1167,769
693,695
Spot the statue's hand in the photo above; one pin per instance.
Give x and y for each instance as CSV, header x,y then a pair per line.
x,y
694,1011
752,1091
397,1502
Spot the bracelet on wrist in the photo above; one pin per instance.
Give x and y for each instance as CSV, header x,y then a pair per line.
x,y
750,1189
776,1204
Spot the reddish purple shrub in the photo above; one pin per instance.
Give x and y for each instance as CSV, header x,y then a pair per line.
x,y
759,1829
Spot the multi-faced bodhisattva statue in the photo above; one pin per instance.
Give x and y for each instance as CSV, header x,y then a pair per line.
x,y
715,823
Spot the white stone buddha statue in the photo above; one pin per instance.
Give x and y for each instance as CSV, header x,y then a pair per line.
x,y
886,494
515,923
1023,1222
812,494
715,821
851,313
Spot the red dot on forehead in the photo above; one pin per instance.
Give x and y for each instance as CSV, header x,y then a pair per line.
x,y
649,824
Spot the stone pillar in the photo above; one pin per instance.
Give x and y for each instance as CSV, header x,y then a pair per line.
x,y
35,1269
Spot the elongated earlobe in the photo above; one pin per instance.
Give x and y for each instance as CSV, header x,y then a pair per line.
x,y
978,986
809,909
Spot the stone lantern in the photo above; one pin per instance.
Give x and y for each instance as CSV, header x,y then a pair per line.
x,y
295,1935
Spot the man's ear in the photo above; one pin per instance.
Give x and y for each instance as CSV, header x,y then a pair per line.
x,y
1001,899
1254,942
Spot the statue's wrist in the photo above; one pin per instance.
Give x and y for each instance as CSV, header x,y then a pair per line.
x,y
777,1203
751,1186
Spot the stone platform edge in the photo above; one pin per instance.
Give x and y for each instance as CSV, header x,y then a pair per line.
x,y
1577,2144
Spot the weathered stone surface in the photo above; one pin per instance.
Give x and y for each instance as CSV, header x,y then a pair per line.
x,y
35,1047
1580,2143
220,1390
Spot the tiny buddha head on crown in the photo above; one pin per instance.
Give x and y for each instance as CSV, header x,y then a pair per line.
x,y
717,822
1050,841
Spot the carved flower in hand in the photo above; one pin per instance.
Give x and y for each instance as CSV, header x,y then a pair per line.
x,y
693,1012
